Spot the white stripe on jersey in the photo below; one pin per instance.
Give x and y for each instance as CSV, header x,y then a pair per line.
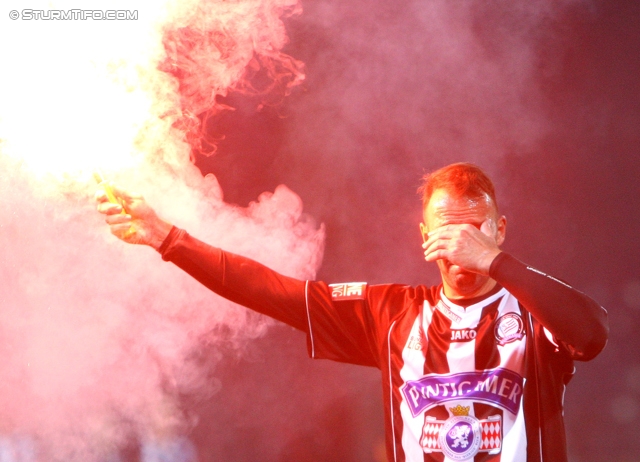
x,y
460,354
461,358
413,368
514,439
306,302
393,425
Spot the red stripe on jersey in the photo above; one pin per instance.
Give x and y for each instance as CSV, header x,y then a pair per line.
x,y
487,355
437,341
437,344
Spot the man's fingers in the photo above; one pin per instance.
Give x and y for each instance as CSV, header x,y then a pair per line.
x,y
444,232
439,237
118,218
101,196
109,208
434,255
435,248
126,232
113,200
120,228
440,232
431,244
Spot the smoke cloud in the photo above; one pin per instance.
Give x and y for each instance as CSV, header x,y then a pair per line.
x,y
99,340
394,92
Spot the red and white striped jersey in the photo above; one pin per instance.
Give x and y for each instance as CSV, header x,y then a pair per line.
x,y
453,376
456,372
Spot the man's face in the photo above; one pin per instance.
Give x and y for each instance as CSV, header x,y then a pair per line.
x,y
445,209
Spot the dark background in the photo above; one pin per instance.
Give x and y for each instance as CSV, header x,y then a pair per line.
x,y
544,96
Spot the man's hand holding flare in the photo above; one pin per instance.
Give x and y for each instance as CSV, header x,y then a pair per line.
x,y
139,224
463,245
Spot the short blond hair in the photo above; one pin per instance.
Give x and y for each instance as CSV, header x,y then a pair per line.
x,y
461,180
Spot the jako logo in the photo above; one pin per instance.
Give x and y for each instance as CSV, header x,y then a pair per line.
x,y
463,335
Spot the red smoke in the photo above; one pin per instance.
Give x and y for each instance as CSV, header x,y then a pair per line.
x,y
241,54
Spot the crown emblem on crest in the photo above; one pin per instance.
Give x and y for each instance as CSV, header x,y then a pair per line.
x,y
460,410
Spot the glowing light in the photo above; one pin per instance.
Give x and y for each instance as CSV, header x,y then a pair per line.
x,y
74,100
85,93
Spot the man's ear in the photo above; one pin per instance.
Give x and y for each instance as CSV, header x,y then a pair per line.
x,y
501,231
424,231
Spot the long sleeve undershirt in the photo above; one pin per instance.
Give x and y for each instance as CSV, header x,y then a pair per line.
x,y
571,316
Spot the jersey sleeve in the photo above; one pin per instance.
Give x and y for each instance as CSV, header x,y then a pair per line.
x,y
239,279
343,322
575,321
349,322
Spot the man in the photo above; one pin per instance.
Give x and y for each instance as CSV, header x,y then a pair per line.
x,y
472,370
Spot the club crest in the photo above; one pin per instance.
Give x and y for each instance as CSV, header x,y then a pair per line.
x,y
509,328
460,435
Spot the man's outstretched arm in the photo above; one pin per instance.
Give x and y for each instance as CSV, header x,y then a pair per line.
x,y
234,277
239,279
